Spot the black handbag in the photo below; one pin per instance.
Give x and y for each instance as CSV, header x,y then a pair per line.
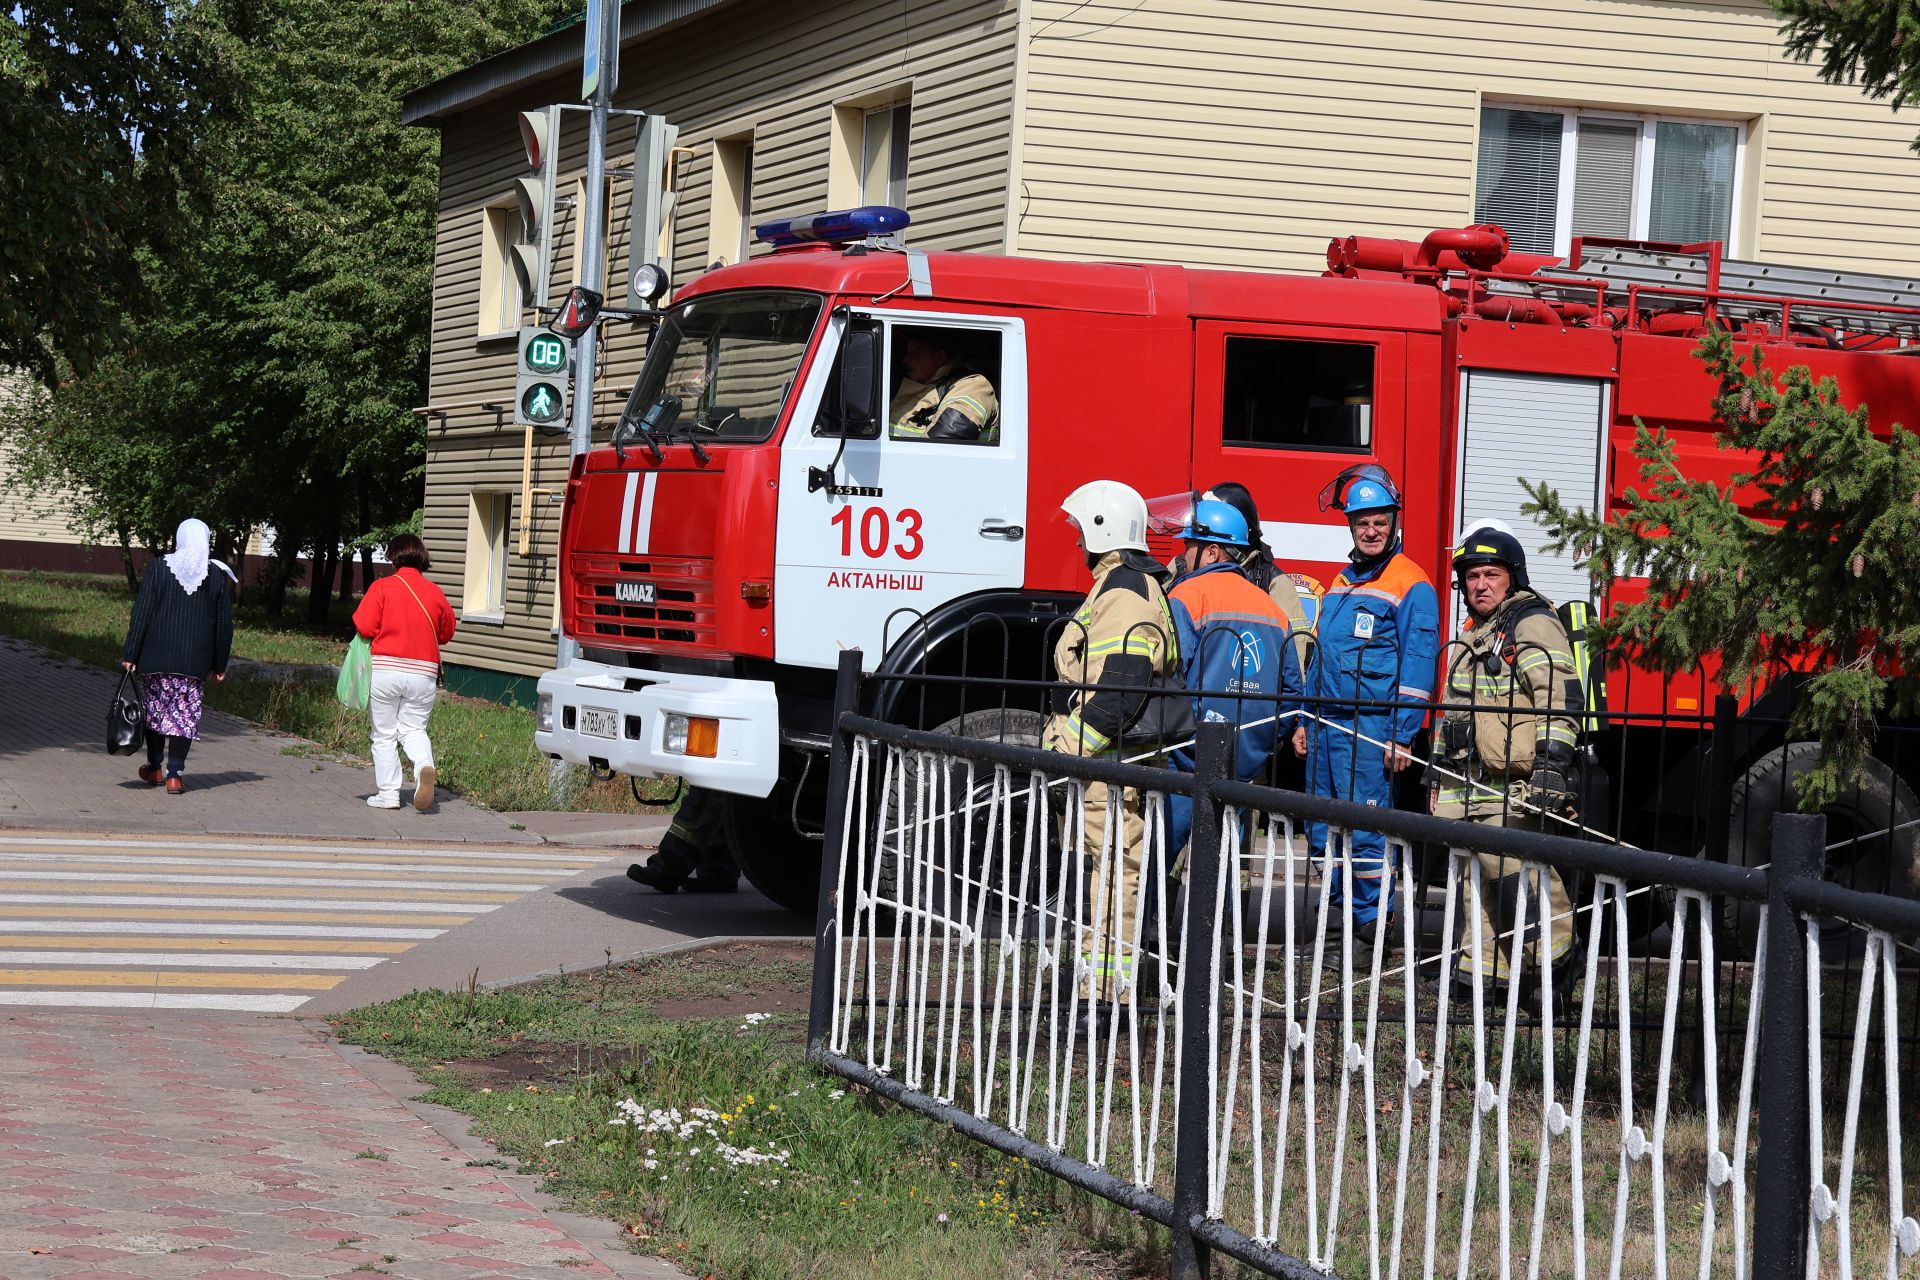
x,y
126,717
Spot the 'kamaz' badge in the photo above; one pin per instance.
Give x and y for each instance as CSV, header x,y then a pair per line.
x,y
634,592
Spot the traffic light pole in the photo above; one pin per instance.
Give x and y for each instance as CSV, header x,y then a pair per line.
x,y
603,50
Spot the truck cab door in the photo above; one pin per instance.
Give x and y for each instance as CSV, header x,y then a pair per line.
x,y
1285,408
878,526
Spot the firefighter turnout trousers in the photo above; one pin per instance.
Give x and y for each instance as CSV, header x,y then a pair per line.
x,y
1490,948
1122,635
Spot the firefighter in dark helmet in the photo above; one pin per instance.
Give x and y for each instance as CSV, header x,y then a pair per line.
x,y
1509,761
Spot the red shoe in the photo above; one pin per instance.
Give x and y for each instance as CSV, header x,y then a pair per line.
x,y
151,774
175,786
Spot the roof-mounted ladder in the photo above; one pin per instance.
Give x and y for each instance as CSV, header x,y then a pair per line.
x,y
1743,291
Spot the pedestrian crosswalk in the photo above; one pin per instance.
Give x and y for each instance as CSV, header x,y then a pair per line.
x,y
259,926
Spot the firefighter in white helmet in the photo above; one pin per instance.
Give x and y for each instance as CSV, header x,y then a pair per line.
x,y
1120,639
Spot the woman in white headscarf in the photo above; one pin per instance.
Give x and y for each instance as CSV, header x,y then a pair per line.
x,y
182,632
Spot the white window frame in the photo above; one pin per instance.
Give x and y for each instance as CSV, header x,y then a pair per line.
x,y
1649,122
500,231
730,199
896,147
484,591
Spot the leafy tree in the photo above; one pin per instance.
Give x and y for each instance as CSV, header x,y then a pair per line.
x,y
104,106
1772,571
273,380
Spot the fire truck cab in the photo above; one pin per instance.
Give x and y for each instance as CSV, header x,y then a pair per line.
x,y
757,512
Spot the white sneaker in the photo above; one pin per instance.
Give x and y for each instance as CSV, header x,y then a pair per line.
x,y
423,787
381,800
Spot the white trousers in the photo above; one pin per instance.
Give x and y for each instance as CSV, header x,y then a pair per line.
x,y
400,703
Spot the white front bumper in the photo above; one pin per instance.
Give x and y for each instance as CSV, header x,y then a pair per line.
x,y
748,759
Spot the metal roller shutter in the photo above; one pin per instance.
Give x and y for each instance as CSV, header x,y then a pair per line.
x,y
1544,429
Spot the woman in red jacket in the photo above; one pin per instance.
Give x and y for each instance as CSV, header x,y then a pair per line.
x,y
407,619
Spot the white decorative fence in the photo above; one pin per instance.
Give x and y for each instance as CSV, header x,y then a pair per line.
x,y
1217,1048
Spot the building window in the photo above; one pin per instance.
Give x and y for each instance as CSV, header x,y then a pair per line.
x,y
488,515
730,212
1548,175
883,155
499,287
1282,393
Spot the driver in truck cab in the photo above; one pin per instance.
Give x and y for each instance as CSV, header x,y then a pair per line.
x,y
1120,639
941,397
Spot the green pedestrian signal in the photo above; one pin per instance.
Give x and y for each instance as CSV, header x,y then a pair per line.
x,y
543,381
542,403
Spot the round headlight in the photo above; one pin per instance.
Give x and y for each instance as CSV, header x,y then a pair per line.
x,y
650,281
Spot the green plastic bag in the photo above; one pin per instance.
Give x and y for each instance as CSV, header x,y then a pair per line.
x,y
356,675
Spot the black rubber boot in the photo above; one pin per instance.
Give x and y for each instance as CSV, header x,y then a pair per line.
x,y
655,875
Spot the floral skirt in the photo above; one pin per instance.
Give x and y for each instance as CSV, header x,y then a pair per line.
x,y
173,706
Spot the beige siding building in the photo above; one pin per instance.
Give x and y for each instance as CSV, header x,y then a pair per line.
x,y
1228,133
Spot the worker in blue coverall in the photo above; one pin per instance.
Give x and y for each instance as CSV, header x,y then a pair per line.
x,y
1378,646
1233,640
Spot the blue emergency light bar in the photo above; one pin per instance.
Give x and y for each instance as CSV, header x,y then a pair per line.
x,y
839,227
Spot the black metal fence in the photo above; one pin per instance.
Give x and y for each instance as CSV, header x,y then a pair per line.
x,y
1560,1055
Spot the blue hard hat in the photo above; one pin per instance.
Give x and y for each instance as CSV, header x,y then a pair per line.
x,y
1216,521
1366,487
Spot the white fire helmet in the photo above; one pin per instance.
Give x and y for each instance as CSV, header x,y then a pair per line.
x,y
1486,522
1109,515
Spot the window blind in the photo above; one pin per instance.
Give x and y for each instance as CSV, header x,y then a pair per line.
x,y
1603,178
1692,181
1518,183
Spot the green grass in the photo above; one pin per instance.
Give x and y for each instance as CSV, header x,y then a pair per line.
x,y
85,616
866,1188
484,750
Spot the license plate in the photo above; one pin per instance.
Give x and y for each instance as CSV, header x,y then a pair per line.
x,y
599,722
634,592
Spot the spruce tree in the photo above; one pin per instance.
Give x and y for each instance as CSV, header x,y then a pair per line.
x,y
1805,562
1872,43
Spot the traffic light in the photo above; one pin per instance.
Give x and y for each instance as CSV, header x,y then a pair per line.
x,y
532,257
543,380
651,213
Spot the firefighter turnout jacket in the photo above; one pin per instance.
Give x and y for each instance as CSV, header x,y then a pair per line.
x,y
1516,670
958,405
1122,635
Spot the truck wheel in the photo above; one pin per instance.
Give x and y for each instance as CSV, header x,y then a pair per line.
x,y
983,864
1873,834
776,859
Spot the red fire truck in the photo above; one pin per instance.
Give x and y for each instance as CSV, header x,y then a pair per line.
x,y
753,518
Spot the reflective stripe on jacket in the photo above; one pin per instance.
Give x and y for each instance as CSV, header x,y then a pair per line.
x,y
1378,640
1232,638
1121,635
1528,699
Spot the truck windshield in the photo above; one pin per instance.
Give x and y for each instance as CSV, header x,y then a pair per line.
x,y
729,359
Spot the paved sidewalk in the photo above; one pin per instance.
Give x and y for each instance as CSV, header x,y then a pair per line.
x,y
55,772
147,1149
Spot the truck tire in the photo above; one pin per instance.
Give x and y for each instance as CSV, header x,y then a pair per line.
x,y
776,859
1015,726
1874,811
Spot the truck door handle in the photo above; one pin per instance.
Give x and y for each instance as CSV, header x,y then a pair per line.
x,y
1001,529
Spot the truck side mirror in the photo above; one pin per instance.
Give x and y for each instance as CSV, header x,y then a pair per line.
x,y
860,381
